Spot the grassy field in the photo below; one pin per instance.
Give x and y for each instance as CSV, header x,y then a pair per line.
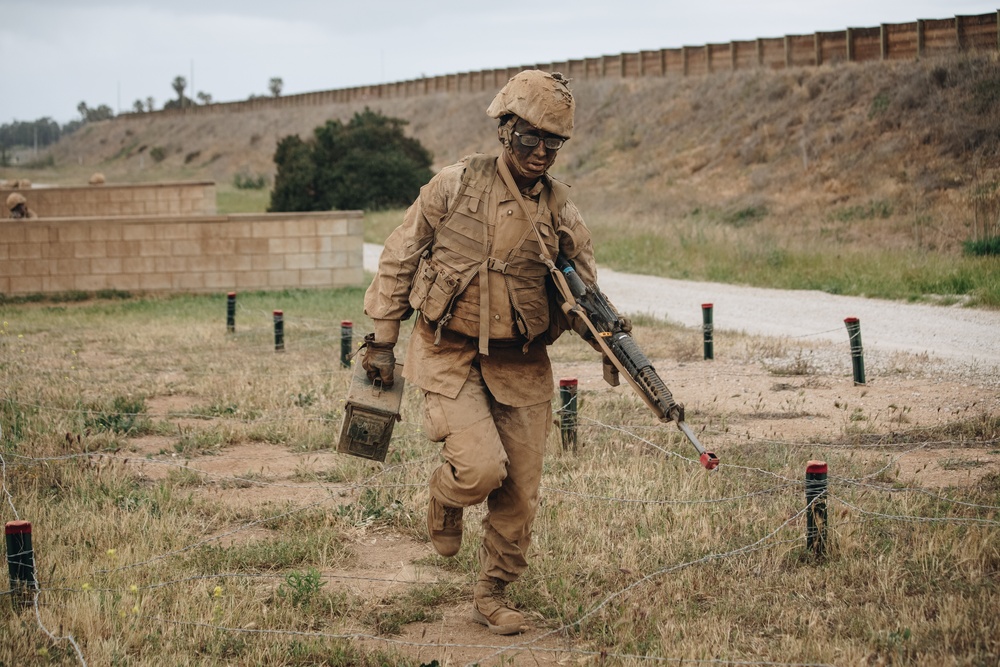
x,y
699,247
188,507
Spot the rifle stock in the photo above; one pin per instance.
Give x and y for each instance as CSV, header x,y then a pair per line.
x,y
589,304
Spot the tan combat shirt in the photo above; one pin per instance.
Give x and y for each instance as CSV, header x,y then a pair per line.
x,y
515,377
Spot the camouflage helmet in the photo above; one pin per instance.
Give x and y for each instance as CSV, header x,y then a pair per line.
x,y
542,99
14,199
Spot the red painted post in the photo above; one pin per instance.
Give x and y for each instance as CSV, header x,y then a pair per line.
x,y
816,486
20,562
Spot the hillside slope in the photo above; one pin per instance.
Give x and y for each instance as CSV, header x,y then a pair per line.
x,y
909,149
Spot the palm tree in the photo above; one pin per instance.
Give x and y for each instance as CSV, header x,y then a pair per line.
x,y
179,84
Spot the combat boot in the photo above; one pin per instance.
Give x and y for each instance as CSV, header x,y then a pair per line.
x,y
444,525
490,608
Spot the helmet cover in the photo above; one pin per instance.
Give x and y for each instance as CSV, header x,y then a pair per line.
x,y
540,98
14,199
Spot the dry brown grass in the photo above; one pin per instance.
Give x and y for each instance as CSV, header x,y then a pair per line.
x,y
219,527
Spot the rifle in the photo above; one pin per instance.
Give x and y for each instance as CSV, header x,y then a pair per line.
x,y
621,352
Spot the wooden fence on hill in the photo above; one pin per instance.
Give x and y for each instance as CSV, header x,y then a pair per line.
x,y
900,41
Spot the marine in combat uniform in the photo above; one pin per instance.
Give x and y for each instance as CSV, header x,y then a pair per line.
x,y
17,205
468,261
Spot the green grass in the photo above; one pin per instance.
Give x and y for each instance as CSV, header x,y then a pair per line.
x,y
724,246
230,199
764,260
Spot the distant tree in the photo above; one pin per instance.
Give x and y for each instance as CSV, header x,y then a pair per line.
x,y
103,112
150,103
179,84
204,98
366,164
293,182
275,86
41,132
138,106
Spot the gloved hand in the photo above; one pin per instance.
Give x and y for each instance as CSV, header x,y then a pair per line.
x,y
379,361
625,323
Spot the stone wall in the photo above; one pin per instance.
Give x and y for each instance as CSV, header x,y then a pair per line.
x,y
202,253
180,198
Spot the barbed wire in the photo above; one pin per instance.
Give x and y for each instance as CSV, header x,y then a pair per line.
x,y
272,415
754,546
909,489
917,519
3,482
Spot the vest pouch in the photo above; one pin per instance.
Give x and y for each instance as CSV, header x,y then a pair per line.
x,y
433,289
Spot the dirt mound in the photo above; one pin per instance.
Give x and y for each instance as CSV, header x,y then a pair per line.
x,y
897,143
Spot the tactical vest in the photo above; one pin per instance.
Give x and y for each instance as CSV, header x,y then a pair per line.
x,y
470,248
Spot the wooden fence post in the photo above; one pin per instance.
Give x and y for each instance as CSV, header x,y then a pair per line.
x,y
883,39
921,26
760,52
788,51
850,45
818,48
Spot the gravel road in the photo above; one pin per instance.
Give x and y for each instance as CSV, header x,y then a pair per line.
x,y
947,333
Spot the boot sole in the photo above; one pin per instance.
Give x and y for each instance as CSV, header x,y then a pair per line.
x,y
512,629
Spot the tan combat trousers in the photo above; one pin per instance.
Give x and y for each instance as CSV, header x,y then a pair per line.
x,y
492,452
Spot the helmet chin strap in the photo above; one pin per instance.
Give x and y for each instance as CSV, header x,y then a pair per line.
x,y
504,132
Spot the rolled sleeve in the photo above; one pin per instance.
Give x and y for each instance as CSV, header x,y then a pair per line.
x,y
576,244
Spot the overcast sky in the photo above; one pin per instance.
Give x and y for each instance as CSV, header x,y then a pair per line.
x,y
55,54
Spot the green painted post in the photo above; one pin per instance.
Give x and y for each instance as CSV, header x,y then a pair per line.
x,y
567,413
231,312
346,335
279,331
857,350
708,330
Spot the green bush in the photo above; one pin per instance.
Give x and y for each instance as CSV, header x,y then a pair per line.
x,y
246,181
983,247
366,164
158,153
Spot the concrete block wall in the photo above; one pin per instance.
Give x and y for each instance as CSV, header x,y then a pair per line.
x,y
177,198
182,253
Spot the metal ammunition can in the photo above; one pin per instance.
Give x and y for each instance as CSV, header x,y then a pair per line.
x,y
371,412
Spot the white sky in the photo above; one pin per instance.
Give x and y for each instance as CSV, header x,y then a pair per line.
x,y
57,53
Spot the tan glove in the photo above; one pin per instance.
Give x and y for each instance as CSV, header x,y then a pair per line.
x,y
379,361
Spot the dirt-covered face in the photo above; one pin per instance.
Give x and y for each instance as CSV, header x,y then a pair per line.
x,y
531,151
